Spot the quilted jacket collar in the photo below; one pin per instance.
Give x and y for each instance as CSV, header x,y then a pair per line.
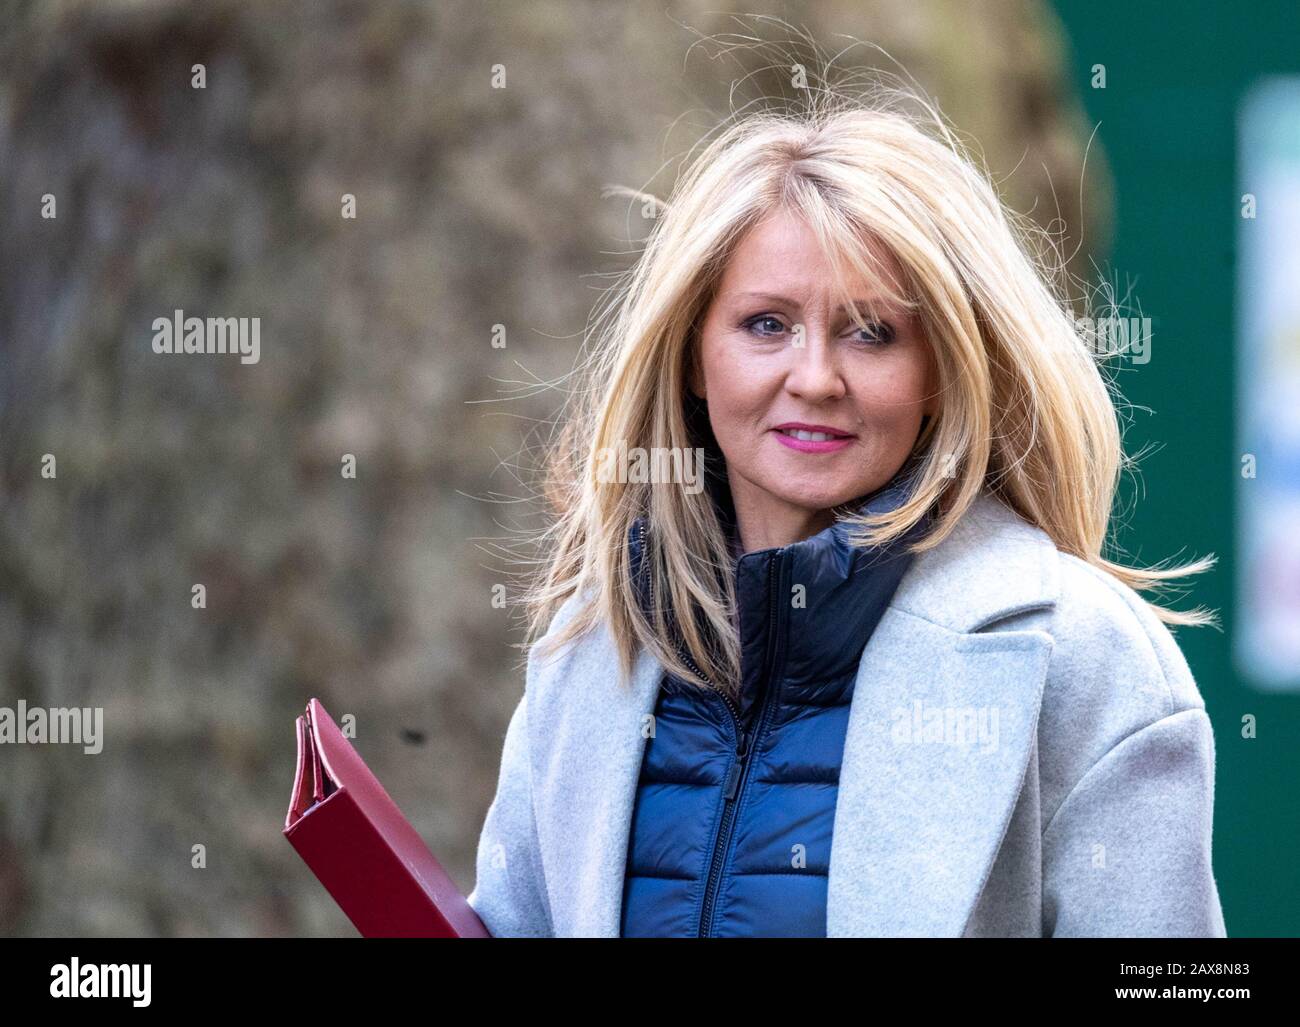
x,y
832,592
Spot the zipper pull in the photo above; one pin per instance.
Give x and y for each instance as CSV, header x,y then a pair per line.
x,y
742,747
733,779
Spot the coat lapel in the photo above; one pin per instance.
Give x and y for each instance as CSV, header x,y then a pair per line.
x,y
941,728
920,813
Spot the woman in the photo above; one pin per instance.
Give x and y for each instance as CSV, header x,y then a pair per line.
x,y
868,673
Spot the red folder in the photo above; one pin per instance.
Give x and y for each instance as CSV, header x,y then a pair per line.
x,y
355,839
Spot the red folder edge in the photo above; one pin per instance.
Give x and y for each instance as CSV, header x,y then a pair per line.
x,y
370,859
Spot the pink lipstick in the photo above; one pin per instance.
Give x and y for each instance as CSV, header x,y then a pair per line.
x,y
812,438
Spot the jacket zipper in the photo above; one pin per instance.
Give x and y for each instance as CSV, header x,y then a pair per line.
x,y
738,775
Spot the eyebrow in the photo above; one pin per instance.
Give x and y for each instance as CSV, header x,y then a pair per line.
x,y
785,301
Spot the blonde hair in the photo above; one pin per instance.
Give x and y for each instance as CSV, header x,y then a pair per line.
x,y
1025,411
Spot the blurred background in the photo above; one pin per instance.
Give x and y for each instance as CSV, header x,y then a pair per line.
x,y
1134,131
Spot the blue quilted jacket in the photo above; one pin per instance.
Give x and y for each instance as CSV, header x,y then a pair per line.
x,y
735,803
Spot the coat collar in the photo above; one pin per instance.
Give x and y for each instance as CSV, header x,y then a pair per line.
x,y
957,586
918,819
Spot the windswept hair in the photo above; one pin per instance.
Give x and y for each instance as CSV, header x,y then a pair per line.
x,y
1025,411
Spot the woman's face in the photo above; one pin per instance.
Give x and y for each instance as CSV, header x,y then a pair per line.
x,y
777,363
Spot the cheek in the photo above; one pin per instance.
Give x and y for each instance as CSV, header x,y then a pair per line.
x,y
891,390
738,390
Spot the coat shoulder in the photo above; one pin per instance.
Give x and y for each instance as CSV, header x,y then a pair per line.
x,y
1114,667
1115,670
998,572
1099,620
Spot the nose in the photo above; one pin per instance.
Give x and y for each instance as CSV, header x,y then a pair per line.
x,y
814,374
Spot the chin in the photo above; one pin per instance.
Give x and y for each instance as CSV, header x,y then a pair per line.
x,y
814,499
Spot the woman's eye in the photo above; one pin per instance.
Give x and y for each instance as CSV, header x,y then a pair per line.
x,y
876,333
765,324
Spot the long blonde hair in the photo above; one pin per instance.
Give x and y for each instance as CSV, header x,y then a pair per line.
x,y
1025,410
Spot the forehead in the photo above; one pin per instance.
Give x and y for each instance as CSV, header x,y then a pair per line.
x,y
782,255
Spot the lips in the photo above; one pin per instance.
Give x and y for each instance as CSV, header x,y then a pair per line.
x,y
811,432
812,438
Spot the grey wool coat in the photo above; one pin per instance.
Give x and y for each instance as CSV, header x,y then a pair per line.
x,y
1027,754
